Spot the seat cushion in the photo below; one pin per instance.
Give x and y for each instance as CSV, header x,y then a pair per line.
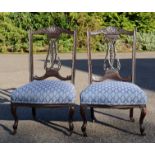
x,y
45,92
111,92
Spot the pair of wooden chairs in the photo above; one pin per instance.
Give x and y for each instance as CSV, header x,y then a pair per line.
x,y
109,91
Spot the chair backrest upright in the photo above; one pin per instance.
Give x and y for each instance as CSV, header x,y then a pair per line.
x,y
52,63
111,62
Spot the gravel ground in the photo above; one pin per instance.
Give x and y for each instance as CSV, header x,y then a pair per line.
x,y
52,126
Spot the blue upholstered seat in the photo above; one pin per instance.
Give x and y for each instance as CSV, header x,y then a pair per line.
x,y
45,92
111,92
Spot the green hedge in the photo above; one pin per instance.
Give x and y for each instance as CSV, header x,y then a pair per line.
x,y
14,28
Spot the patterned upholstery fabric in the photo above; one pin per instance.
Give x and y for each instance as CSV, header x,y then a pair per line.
x,y
112,92
45,92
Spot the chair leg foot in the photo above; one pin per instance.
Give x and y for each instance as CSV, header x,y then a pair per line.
x,y
15,125
71,113
34,113
83,115
131,115
141,120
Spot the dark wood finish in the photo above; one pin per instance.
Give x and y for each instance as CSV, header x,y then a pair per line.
x,y
74,58
30,56
53,33
111,74
131,115
31,64
125,107
83,115
89,58
15,125
39,105
111,35
112,32
134,57
111,68
133,68
71,114
92,114
34,113
141,120
52,73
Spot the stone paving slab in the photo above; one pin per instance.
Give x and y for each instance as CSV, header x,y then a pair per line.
x,y
52,126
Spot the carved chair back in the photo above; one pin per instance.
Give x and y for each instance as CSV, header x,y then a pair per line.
x,y
52,64
111,64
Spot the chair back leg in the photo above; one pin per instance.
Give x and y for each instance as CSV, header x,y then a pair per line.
x,y
70,119
131,115
34,113
92,114
141,120
15,125
83,115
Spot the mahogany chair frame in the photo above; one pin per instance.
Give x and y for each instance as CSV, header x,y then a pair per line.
x,y
52,33
111,34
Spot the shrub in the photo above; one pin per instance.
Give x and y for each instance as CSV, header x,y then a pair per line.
x,y
14,28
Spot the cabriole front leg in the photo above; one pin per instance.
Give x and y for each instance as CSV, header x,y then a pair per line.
x,y
71,113
141,120
83,115
15,125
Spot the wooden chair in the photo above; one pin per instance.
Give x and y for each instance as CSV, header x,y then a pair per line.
x,y
112,90
41,93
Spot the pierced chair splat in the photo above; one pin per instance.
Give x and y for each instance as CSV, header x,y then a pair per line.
x,y
43,93
111,90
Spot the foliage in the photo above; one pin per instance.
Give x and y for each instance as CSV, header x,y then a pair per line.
x,y
14,28
146,42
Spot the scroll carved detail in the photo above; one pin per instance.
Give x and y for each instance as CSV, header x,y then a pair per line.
x,y
53,32
112,31
52,63
52,57
111,64
111,35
